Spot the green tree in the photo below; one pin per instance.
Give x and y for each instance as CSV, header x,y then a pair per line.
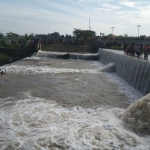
x,y
68,37
77,33
12,35
26,37
8,35
49,36
87,34
125,35
1,35
83,33
62,36
143,37
55,35
31,36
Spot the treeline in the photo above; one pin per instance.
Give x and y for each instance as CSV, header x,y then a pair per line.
x,y
15,40
77,33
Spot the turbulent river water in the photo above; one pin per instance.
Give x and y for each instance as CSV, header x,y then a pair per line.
x,y
56,104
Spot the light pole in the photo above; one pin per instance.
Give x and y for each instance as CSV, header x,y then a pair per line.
x,y
138,29
112,30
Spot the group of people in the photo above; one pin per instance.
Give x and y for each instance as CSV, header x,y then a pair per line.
x,y
138,50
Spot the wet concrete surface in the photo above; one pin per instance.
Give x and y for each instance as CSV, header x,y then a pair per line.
x,y
66,88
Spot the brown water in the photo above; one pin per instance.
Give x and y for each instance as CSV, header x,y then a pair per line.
x,y
63,104
68,82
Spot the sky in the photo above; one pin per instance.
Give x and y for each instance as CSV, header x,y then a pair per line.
x,y
48,16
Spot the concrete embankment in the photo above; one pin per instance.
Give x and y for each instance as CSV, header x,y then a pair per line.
x,y
15,54
134,71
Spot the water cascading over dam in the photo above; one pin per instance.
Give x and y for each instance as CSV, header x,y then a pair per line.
x,y
134,71
62,55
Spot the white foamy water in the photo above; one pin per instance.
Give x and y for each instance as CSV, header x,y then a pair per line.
x,y
137,115
31,69
109,68
32,123
62,53
123,86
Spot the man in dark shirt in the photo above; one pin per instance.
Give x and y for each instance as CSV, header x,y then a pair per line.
x,y
146,51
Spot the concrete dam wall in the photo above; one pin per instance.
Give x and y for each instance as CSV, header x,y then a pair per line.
x,y
134,71
60,55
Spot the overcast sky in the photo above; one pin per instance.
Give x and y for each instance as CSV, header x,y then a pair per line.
x,y
47,16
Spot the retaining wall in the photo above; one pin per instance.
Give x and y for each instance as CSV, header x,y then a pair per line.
x,y
16,53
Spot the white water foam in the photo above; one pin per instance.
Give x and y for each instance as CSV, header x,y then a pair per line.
x,y
109,68
137,115
50,52
123,86
32,123
31,69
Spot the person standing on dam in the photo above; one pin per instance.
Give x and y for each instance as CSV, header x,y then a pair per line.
x,y
138,50
125,47
146,51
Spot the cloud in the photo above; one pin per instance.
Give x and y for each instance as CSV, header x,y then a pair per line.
x,y
128,4
88,1
132,4
110,6
48,16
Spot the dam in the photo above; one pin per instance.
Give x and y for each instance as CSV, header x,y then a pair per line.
x,y
133,70
53,100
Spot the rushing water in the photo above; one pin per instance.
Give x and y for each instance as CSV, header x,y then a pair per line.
x,y
29,122
137,115
133,70
34,123
81,56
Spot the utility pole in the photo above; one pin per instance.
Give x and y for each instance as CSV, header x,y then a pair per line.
x,y
112,30
89,24
138,29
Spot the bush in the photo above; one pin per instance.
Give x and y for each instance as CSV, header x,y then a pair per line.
x,y
3,59
9,45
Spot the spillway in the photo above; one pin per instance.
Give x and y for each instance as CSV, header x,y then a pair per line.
x,y
48,103
134,71
62,55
